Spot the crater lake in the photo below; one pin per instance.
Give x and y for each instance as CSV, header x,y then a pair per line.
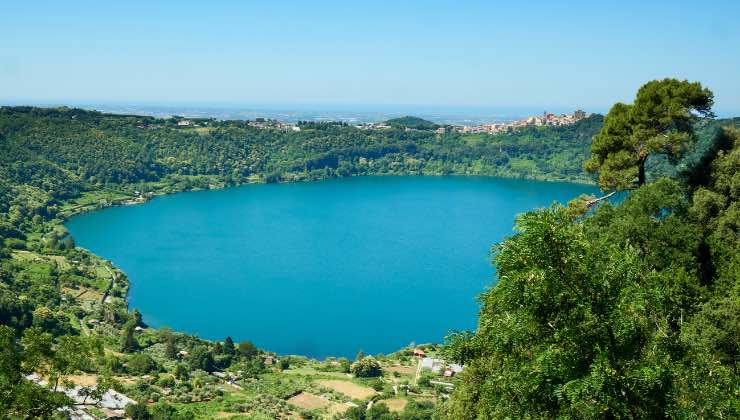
x,y
320,269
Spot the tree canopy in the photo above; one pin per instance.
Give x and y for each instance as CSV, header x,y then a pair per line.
x,y
660,121
631,310
411,122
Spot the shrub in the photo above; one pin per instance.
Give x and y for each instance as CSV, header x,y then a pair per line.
x,y
137,412
141,364
366,367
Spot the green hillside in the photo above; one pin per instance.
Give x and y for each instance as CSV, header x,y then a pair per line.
x,y
600,310
411,122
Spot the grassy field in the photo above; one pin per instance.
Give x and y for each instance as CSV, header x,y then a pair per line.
x,y
348,388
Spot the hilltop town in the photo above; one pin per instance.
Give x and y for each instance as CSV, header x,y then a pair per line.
x,y
546,119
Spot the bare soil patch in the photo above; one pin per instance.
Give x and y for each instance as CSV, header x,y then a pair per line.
x,y
395,405
348,388
84,294
337,409
403,370
83,380
308,401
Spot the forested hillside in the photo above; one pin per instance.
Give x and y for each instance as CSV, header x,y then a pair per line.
x,y
629,310
624,310
63,310
68,150
411,122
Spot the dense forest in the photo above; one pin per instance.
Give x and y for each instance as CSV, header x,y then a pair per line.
x,y
600,309
63,310
623,311
412,123
65,151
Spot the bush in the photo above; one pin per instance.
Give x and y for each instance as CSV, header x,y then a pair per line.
x,y
379,411
418,410
162,411
367,367
344,365
247,349
141,364
377,384
166,381
137,412
201,358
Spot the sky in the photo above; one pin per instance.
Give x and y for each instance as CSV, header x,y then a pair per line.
x,y
559,54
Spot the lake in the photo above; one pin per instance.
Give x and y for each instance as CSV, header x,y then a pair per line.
x,y
320,268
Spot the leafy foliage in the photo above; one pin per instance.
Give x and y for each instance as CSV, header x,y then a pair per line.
x,y
20,398
367,367
411,122
659,122
632,311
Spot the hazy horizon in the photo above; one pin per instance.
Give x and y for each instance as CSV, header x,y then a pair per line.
x,y
541,55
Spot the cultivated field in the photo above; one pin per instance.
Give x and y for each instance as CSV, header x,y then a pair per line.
x,y
308,401
348,388
395,405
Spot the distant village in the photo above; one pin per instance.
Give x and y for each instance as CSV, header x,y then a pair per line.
x,y
546,119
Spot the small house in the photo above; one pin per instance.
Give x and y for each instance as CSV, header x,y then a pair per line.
x,y
435,365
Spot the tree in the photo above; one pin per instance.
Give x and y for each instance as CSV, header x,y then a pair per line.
x,y
104,383
141,364
20,398
575,327
170,351
72,353
344,365
367,367
247,349
355,413
459,347
201,358
658,122
128,341
136,318
252,368
163,411
229,347
53,322
137,411
181,372
379,411
418,410
68,243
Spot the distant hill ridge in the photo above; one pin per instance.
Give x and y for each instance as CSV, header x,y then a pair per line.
x,y
411,122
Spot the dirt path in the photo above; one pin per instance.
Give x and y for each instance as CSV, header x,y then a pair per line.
x,y
418,372
110,285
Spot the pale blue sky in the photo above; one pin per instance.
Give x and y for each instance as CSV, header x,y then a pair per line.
x,y
448,53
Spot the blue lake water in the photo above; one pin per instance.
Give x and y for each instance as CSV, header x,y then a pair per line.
x,y
320,268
